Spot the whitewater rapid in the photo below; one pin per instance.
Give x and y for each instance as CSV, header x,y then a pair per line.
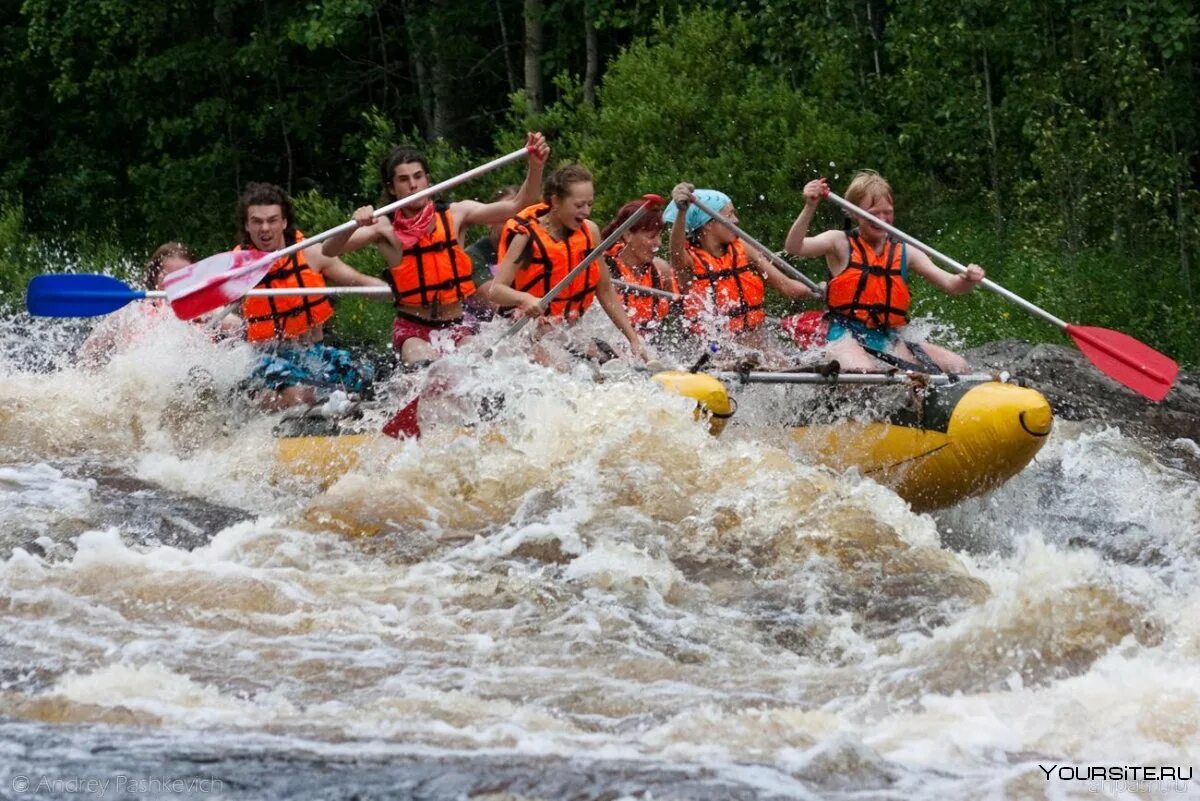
x,y
589,594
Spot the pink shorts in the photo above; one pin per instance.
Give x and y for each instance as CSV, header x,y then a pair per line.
x,y
407,327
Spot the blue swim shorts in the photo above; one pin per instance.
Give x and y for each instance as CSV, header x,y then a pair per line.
x,y
314,365
880,339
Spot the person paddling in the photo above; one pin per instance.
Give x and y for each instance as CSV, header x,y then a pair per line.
x,y
634,261
538,248
723,280
429,273
289,330
868,295
129,324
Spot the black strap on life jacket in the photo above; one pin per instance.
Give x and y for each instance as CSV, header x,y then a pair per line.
x,y
737,271
279,278
448,242
539,254
662,306
877,313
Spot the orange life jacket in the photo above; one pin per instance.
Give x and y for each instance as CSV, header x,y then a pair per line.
x,y
437,271
727,285
645,311
549,262
873,288
290,316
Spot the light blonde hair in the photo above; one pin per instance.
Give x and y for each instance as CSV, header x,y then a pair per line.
x,y
867,185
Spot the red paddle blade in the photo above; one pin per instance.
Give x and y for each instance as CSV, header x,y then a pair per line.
x,y
1125,359
653,201
215,282
404,423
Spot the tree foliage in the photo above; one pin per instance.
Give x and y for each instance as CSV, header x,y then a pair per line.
x,y
1056,142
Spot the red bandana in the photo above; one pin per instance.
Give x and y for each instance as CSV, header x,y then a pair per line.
x,y
410,230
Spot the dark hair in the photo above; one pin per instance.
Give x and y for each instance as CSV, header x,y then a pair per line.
x,y
260,194
153,269
508,190
387,167
650,221
559,183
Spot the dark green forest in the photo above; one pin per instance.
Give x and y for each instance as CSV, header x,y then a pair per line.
x,y
1054,142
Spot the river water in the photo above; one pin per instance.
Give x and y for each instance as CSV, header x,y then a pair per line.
x,y
589,598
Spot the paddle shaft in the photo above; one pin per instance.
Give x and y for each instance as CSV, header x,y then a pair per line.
x,y
784,267
596,253
299,291
949,262
849,378
350,225
646,290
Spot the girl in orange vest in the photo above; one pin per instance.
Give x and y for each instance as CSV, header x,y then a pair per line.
x,y
633,260
868,297
724,281
540,246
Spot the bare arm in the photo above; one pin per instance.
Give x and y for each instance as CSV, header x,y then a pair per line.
x,y
665,271
531,189
338,272
472,212
950,283
370,231
797,242
98,347
367,233
681,260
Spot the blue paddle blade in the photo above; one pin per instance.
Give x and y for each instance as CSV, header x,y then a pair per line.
x,y
77,295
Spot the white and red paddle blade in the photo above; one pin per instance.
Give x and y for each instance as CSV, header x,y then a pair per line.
x,y
212,283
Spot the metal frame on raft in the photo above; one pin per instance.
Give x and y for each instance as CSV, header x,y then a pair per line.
x,y
834,378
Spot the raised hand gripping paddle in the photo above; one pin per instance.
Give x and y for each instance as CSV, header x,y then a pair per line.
x,y
221,279
1119,356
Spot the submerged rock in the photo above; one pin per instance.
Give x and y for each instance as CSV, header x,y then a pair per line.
x,y
84,496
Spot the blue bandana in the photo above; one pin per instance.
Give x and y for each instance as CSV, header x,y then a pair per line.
x,y
695,218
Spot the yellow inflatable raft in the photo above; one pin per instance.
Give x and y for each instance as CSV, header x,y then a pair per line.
x,y
943,442
957,441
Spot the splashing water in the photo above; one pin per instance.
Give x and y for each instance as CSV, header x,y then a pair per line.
x,y
588,594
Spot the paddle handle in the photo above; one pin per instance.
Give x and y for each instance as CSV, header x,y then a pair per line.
x,y
597,252
646,290
350,225
784,267
949,262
